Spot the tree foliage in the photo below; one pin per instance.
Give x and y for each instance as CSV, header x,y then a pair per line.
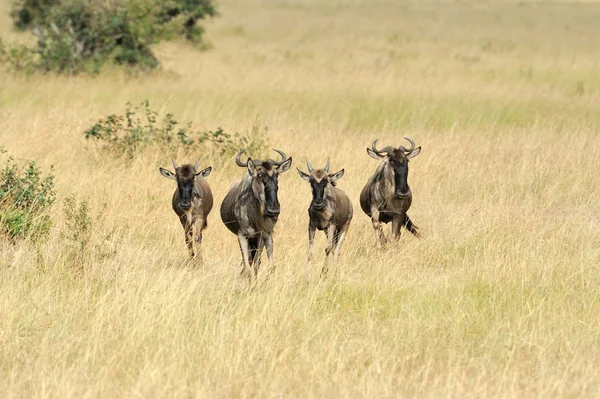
x,y
82,35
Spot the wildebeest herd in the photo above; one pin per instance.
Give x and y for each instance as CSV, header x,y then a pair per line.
x,y
250,209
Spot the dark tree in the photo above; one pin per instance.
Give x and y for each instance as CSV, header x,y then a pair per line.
x,y
83,35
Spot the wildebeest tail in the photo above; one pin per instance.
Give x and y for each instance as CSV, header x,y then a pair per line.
x,y
410,226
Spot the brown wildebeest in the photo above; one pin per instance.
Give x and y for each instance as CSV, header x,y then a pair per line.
x,y
386,197
251,208
192,201
330,210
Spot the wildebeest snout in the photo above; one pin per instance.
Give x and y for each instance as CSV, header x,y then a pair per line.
x,y
402,194
272,210
317,206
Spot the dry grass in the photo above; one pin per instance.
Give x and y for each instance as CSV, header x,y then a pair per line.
x,y
500,298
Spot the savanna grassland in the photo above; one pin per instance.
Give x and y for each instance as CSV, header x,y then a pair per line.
x,y
500,298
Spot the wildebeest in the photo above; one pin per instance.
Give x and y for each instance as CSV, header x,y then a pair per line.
x,y
387,197
251,208
330,210
192,201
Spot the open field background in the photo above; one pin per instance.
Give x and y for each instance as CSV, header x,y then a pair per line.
x,y
500,298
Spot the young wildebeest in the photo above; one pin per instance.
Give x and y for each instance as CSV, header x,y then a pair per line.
x,y
386,197
330,210
192,201
251,208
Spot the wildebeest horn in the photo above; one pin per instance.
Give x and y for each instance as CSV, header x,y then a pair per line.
x,y
174,163
374,148
197,164
239,162
412,145
283,157
387,150
310,168
327,166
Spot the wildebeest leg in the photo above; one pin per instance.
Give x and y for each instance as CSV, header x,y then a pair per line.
x,y
252,243
252,247
189,232
199,224
396,225
257,254
244,248
340,236
269,245
311,241
330,243
378,228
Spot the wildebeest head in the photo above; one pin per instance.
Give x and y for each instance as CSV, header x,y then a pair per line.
x,y
264,180
185,176
319,180
396,160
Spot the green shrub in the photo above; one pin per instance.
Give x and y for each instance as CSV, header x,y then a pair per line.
x,y
17,56
25,200
227,144
141,128
76,36
131,132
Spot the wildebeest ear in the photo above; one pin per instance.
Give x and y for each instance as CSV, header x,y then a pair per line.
x,y
251,167
303,175
285,165
168,174
204,172
334,176
373,154
414,153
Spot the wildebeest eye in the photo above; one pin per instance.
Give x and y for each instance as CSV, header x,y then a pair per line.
x,y
261,175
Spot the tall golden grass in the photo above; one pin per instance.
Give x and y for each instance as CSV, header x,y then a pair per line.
x,y
499,298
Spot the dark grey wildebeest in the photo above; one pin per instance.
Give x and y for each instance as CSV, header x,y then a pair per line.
x,y
251,208
192,202
330,210
387,197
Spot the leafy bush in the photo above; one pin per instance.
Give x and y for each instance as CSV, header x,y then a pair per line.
x,y
140,128
227,144
82,35
25,199
129,134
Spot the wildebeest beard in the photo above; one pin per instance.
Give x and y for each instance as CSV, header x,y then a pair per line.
x,y
256,219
